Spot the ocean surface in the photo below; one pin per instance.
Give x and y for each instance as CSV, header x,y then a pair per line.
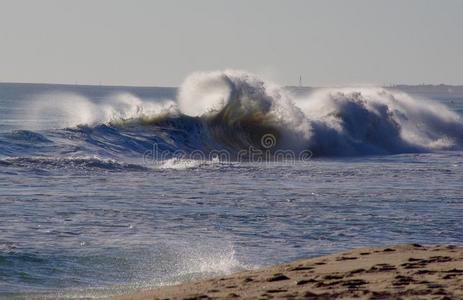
x,y
104,190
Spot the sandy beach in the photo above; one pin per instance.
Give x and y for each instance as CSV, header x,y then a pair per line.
x,y
399,272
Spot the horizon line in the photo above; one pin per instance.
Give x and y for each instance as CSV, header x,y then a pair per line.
x,y
175,87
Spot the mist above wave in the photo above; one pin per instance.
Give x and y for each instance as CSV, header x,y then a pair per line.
x,y
71,109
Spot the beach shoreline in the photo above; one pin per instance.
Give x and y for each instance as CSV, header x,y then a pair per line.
x,y
403,271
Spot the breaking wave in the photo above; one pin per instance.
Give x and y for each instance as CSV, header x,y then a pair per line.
x,y
378,121
239,109
234,110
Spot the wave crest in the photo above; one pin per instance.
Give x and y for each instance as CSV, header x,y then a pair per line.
x,y
240,107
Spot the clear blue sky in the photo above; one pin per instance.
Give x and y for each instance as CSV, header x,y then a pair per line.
x,y
160,42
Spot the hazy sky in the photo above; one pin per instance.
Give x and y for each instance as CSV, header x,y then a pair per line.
x,y
160,42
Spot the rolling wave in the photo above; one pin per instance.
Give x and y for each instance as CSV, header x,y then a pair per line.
x,y
231,111
329,122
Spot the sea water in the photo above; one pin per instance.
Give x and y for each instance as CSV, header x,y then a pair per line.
x,y
89,207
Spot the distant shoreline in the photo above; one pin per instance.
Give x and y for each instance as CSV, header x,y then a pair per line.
x,y
405,271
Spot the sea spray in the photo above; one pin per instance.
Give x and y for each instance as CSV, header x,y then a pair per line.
x,y
71,109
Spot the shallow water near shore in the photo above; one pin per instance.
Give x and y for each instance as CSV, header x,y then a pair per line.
x,y
83,215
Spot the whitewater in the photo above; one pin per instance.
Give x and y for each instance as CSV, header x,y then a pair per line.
x,y
110,189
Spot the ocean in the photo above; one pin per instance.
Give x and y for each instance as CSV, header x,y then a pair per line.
x,y
104,190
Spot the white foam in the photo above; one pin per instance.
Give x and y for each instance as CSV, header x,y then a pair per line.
x,y
180,164
204,260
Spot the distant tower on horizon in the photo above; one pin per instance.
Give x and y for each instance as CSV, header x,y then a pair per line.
x,y
300,80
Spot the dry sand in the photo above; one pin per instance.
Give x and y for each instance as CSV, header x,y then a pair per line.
x,y
400,272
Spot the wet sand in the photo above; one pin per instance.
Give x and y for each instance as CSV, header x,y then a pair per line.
x,y
399,272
